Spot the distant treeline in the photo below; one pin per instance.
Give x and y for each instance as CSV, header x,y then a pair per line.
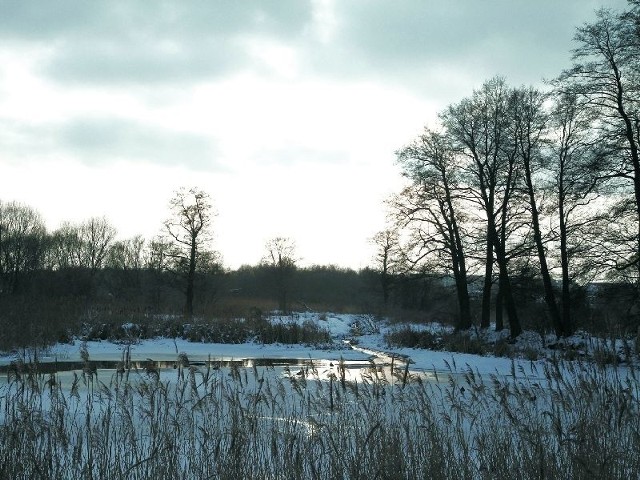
x,y
57,285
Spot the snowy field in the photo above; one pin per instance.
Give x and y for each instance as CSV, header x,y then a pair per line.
x,y
354,408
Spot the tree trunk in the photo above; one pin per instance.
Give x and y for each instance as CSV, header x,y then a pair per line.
x,y
566,301
464,321
635,158
191,280
512,314
458,263
549,294
462,291
505,282
485,319
385,281
564,249
499,309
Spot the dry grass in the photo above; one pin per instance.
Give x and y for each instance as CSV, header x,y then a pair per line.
x,y
569,420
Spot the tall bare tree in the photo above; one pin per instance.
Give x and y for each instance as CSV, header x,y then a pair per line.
x,y
431,208
480,127
606,76
531,127
189,230
574,168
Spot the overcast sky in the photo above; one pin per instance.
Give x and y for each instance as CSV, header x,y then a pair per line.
x,y
287,112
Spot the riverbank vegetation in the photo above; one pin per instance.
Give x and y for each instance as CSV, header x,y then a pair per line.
x,y
551,420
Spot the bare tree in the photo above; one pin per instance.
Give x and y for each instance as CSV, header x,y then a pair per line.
x,y
22,244
95,236
431,209
574,168
189,230
280,259
158,261
65,247
127,254
125,258
606,75
157,254
531,126
84,245
480,127
386,259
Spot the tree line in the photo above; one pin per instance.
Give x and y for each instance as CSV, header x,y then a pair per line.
x,y
53,282
80,271
520,181
27,249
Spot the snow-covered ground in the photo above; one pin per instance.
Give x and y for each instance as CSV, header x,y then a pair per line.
x,y
355,338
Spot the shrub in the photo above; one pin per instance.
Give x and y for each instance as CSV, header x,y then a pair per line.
x,y
292,332
502,348
462,342
413,338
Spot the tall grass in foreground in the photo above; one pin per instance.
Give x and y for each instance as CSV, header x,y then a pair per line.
x,y
568,420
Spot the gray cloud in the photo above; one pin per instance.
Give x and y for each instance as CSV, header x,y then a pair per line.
x,y
108,63
101,140
44,20
37,21
22,143
147,42
401,41
98,140
136,42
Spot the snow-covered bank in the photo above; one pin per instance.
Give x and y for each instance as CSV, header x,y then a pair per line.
x,y
364,332
168,349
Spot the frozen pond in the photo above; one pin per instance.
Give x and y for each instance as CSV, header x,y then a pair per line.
x,y
387,369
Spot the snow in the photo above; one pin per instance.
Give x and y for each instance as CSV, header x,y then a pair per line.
x,y
168,349
356,338
339,325
445,362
